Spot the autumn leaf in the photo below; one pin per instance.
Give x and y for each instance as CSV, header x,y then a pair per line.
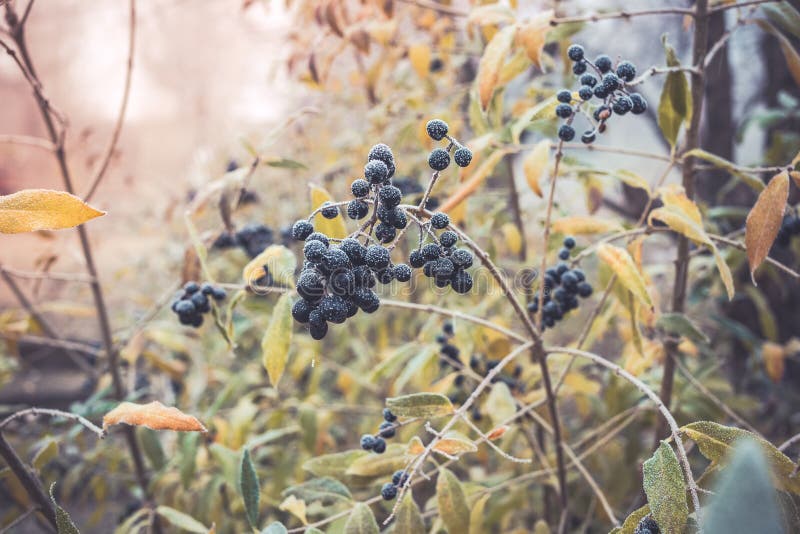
x,y
276,261
774,356
420,57
764,221
277,340
535,164
675,106
584,225
330,227
624,267
532,36
31,210
497,432
153,415
491,63
454,444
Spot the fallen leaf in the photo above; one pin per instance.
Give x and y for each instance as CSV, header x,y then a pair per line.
x,y
31,210
153,415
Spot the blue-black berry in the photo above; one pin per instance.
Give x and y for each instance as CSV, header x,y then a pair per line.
x,y
462,156
300,310
357,209
388,491
610,82
439,159
440,221
563,254
639,104
318,236
586,92
399,478
575,52
355,251
367,442
310,285
390,196
431,251
579,67
301,230
647,525
385,233
603,63
314,251
564,111
360,188
382,152
402,272
448,239
584,289
566,132
329,211
600,91
461,282
389,416
386,430
564,96
416,259
377,257
569,242
588,137
376,171
622,105
191,287
379,446
461,258
588,79
437,129
627,71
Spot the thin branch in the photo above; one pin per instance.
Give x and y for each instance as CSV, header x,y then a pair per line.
x,y
593,484
789,442
439,8
112,144
613,150
725,7
31,484
60,277
622,15
491,444
27,140
54,413
19,520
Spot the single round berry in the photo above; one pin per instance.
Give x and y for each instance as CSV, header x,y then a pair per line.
x,y
219,294
622,105
564,111
390,196
381,152
301,230
357,209
639,104
588,137
563,254
448,239
461,258
579,275
447,328
566,132
561,268
376,171
333,308
310,285
385,233
588,79
462,156
439,159
431,251
564,96
569,242
399,478
206,289
600,91
318,236
416,259
377,257
402,272
388,491
386,430
379,446
318,330
610,82
461,282
355,251
437,129
575,52
367,442
389,416
443,268
329,211
185,307
335,259
579,67
314,251
569,281
399,219
584,289
440,221
360,188
586,92
301,309
626,70
191,287
603,63
342,282
647,525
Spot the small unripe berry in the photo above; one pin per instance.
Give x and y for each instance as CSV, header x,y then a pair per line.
x,y
575,52
603,63
376,172
329,211
566,132
564,111
439,159
437,129
301,230
602,113
564,96
440,221
360,188
388,491
462,156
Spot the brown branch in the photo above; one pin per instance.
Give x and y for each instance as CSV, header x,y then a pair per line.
x,y
439,8
54,413
622,15
28,481
112,144
26,140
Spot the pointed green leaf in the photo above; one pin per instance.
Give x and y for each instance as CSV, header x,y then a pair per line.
x,y
361,521
152,448
631,522
325,489
666,490
333,465
452,503
249,488
64,523
180,520
675,105
408,518
188,447
420,405
277,340
45,454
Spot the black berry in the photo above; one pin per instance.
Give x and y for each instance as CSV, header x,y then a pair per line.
x,y
389,416
564,96
377,257
360,188
440,221
588,137
566,132
376,171
563,254
448,239
367,442
462,156
439,159
402,272
379,446
588,79
564,111
626,70
357,209
575,52
639,104
586,92
437,129
603,63
579,67
390,196
569,243
388,491
329,211
386,430
301,230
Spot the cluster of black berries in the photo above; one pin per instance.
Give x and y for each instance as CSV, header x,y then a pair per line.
x,y
390,489
790,227
607,84
441,260
439,158
562,287
252,238
647,525
193,301
387,429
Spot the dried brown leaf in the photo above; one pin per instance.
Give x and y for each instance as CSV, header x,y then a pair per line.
x,y
153,415
764,220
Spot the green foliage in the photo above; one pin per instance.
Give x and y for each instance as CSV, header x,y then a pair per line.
x,y
666,490
249,488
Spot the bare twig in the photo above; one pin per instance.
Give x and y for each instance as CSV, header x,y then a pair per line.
x,y
622,15
54,413
439,8
31,484
27,140
19,520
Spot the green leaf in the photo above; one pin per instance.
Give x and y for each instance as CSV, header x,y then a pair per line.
x,y
181,520
678,323
361,521
666,490
784,16
744,499
452,503
408,519
715,442
48,452
420,405
325,489
64,524
333,465
500,404
727,166
275,528
188,461
283,163
676,101
630,523
277,340
249,488
381,465
152,448
477,515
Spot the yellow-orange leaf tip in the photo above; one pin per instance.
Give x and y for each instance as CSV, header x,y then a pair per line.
x,y
153,415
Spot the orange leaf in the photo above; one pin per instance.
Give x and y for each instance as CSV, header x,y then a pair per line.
x,y
532,36
154,415
774,356
492,61
420,57
454,444
497,433
764,220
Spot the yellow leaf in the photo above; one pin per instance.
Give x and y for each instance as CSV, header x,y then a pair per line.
x,y
276,261
153,415
477,515
277,340
454,444
335,227
578,383
420,57
415,446
535,164
774,356
31,210
583,225
295,506
492,61
512,237
628,274
764,220
490,15
532,36
680,223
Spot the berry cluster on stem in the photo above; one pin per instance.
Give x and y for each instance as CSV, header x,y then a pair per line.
x,y
194,300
